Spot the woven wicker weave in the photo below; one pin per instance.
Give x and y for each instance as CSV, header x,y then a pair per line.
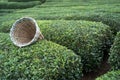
x,y
25,31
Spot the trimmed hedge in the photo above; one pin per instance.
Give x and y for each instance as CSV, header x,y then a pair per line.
x,y
114,58
110,19
113,75
25,0
18,5
105,12
88,39
5,26
6,11
43,60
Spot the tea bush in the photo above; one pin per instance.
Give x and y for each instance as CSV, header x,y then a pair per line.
x,y
6,11
5,26
88,39
18,5
113,75
25,0
43,60
105,11
110,19
114,58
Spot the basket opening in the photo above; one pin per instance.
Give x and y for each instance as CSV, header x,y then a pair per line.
x,y
24,31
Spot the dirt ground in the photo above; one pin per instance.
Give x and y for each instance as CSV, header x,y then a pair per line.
x,y
103,69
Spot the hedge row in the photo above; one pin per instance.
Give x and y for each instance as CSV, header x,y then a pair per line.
x,y
88,39
84,37
110,19
18,5
113,75
114,58
43,60
25,0
5,26
82,10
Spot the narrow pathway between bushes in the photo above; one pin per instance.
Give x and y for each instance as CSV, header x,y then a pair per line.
x,y
103,69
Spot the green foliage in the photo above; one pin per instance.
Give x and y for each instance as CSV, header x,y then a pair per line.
x,y
25,0
113,75
85,37
18,5
3,0
6,11
88,39
103,11
43,60
114,58
5,26
110,19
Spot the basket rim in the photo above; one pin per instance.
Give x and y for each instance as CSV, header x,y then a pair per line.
x,y
36,36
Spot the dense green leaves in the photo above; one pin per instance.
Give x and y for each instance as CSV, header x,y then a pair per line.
x,y
114,58
5,26
43,60
25,0
87,39
113,75
103,11
18,5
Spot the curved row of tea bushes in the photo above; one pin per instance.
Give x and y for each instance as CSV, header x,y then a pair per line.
x,y
5,26
25,0
43,60
110,19
114,58
18,5
65,11
113,75
88,39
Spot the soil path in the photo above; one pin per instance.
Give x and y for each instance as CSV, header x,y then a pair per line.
x,y
104,67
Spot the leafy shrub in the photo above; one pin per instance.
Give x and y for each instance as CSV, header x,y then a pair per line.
x,y
43,60
18,5
5,26
88,39
25,0
6,11
113,75
114,58
110,19
82,10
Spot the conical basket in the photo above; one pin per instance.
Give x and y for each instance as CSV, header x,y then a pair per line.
x,y
25,31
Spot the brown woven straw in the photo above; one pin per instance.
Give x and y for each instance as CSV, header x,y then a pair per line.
x,y
25,31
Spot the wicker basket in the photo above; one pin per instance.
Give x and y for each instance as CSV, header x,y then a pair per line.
x,y
25,31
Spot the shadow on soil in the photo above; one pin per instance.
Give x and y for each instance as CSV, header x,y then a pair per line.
x,y
104,67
